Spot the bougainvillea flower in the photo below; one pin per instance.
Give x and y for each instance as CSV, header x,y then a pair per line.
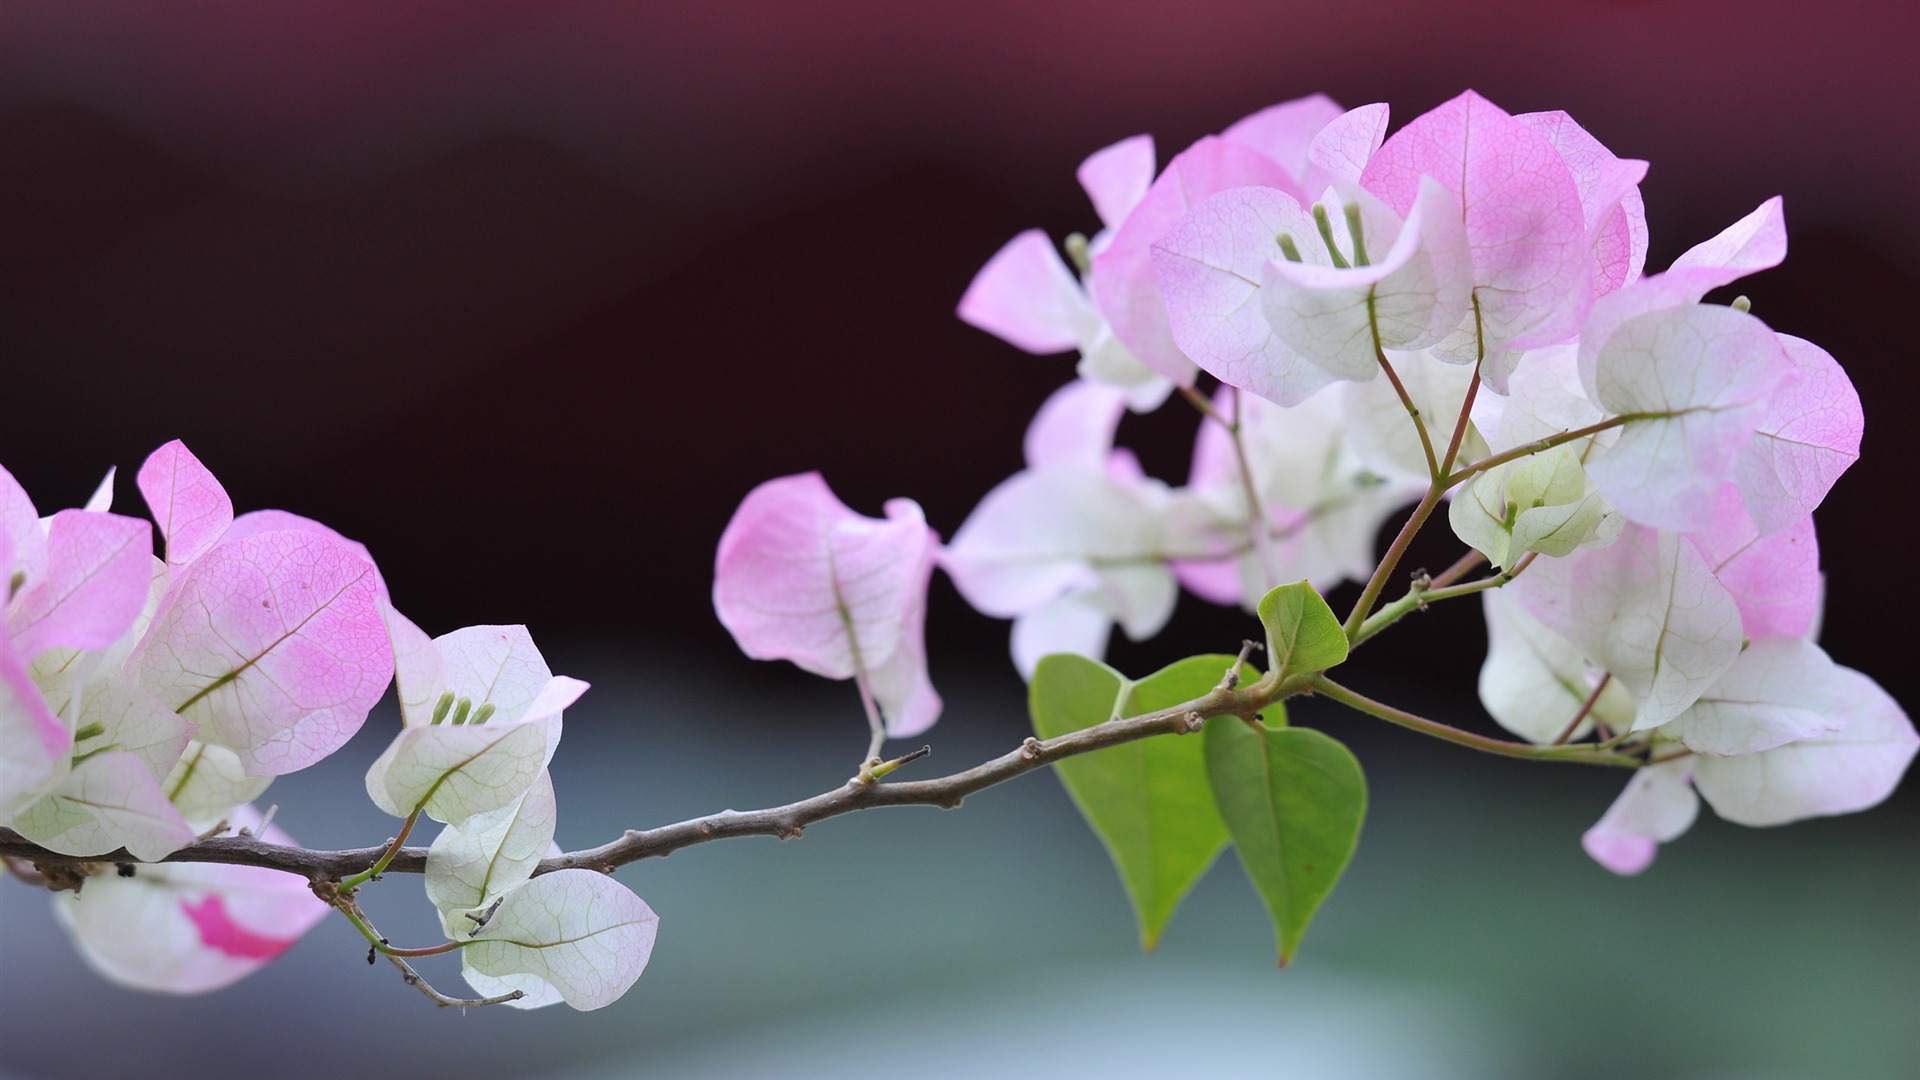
x,y
1778,690
1525,225
472,864
1852,767
189,928
1657,806
1026,295
1775,579
1609,188
576,936
108,801
1535,682
1071,544
800,577
1342,149
1696,382
98,567
1284,134
1646,608
1855,762
191,508
273,645
1809,435
492,726
1323,505
1123,282
34,744
1541,503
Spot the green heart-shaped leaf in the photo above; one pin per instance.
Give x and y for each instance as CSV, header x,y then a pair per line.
x,y
1293,799
1303,634
1148,800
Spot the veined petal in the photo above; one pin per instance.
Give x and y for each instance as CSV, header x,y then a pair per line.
x,y
454,771
1524,222
1027,297
1848,769
1696,381
1534,682
188,504
1040,534
1069,624
1775,579
1343,148
33,742
189,928
1648,609
1209,266
800,577
273,644
109,801
1779,690
1417,291
97,572
580,931
480,859
1809,435
208,782
1123,283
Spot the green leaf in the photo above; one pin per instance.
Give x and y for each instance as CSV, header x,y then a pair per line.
x,y
1149,800
1303,634
1293,799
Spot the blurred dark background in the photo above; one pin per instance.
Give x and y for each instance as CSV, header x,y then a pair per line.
x,y
527,296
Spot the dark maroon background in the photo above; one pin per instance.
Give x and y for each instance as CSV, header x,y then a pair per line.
x,y
527,296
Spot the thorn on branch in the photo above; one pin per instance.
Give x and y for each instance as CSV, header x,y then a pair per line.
x,y
480,920
218,828
1247,648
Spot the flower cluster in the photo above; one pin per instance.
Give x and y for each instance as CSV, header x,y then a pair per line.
x,y
146,701
1457,312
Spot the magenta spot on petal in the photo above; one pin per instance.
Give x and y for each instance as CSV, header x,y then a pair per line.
x,y
219,931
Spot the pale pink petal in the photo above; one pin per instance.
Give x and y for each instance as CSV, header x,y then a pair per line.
x,y
1779,690
1808,437
1123,283
1658,805
1209,267
23,546
1524,221
1754,243
1027,297
454,771
1348,142
900,684
274,646
33,741
1412,295
98,569
188,504
800,577
419,672
1116,177
1534,682
1609,197
473,863
1284,133
1698,378
492,665
1648,609
1075,426
1775,579
189,928
1037,535
1848,769
129,718
101,500
109,801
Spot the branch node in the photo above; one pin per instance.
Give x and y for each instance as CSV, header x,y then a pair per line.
x,y
792,832
1031,749
1192,723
